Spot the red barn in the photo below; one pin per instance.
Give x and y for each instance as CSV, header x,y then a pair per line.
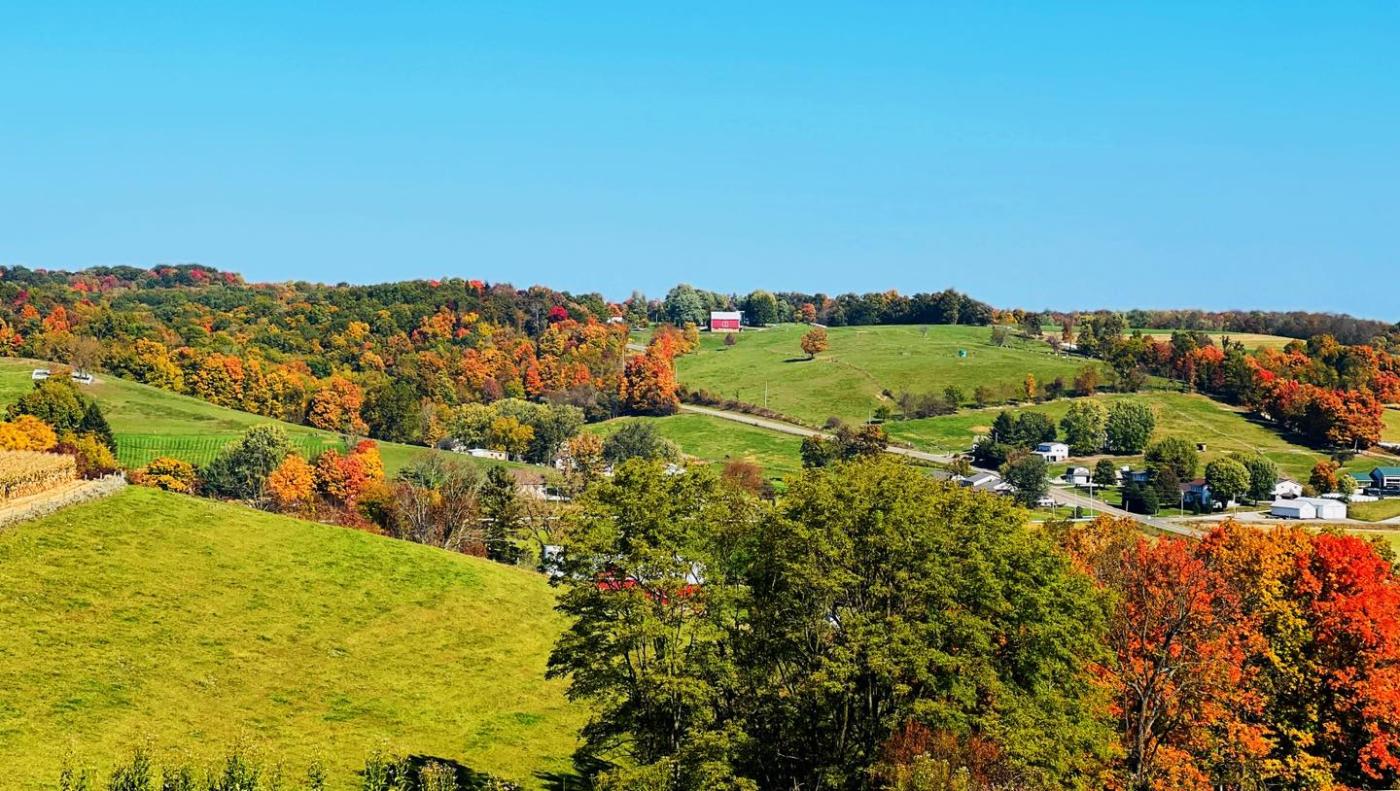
x,y
725,320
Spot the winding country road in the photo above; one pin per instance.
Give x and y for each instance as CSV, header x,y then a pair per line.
x,y
1061,496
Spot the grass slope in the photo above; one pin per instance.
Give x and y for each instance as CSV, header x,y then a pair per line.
x,y
715,440
847,381
1391,432
1192,417
194,622
150,422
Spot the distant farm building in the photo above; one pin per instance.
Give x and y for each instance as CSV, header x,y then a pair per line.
x,y
1309,508
725,320
1287,488
1052,451
1386,480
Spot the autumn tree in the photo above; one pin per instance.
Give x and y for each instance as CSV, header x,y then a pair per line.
x,y
336,407
814,342
1176,672
1323,476
649,385
291,487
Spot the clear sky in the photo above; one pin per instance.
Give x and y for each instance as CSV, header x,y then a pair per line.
x,y
1047,154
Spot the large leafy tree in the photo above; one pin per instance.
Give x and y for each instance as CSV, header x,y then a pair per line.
x,y
879,598
1174,453
1129,426
1084,427
1228,480
653,584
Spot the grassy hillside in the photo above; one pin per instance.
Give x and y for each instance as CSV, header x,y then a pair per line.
x,y
150,422
716,440
1192,417
192,622
1392,425
847,381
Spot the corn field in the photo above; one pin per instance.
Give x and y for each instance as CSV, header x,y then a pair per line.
x,y
24,472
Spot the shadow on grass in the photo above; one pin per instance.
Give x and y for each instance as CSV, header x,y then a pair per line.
x,y
577,780
468,778
799,359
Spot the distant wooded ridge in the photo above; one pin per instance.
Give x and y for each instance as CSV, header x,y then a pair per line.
x,y
685,303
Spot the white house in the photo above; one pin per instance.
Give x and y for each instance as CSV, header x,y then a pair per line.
x,y
1052,451
1287,488
1293,509
486,453
1079,476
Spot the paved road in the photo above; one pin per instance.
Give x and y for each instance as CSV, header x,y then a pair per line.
x,y
1062,496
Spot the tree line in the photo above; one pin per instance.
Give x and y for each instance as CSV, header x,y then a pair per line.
x,y
875,629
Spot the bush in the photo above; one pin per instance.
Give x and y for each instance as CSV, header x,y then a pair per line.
x,y
170,474
93,457
241,468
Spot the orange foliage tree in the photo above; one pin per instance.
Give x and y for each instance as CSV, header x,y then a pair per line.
x,y
292,485
649,385
336,407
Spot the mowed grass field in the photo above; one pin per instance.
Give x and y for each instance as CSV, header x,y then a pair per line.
x,y
1195,418
847,380
716,440
1377,511
1391,432
150,422
193,623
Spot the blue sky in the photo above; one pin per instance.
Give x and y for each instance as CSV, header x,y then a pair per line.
x,y
1053,154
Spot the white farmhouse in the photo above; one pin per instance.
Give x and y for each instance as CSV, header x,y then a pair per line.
x,y
1287,488
1052,451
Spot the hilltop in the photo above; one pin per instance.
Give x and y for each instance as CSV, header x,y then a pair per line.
x,y
852,378
192,622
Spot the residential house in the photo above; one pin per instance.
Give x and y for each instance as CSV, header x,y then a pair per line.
x,y
1135,476
485,453
725,320
1052,451
1287,488
1078,476
1197,493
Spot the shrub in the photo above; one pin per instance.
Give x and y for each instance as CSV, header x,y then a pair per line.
x,y
241,468
170,474
93,457
27,432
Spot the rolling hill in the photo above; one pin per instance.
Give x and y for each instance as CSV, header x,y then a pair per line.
x,y
1195,418
849,379
191,623
716,440
150,422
